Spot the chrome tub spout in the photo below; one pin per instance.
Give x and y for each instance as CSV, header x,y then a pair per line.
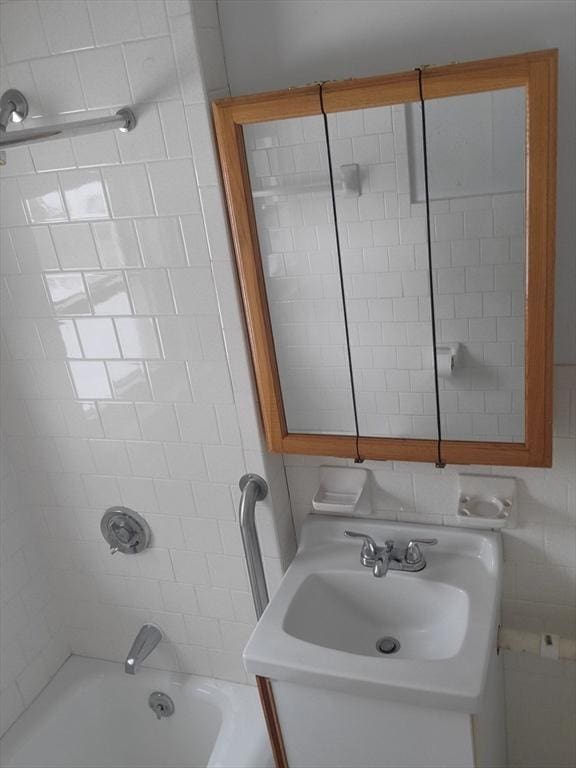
x,y
145,642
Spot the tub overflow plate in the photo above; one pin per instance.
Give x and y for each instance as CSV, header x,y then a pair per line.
x,y
161,704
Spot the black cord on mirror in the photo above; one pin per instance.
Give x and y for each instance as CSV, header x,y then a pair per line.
x,y
439,461
358,459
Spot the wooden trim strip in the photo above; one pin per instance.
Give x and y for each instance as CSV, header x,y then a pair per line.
x,y
541,216
344,446
273,105
272,722
497,454
251,277
371,92
402,87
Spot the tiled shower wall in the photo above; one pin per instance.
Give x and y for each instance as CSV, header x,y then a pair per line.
x,y
32,642
478,257
125,378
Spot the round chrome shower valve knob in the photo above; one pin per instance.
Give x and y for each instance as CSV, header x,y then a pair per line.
x,y
125,530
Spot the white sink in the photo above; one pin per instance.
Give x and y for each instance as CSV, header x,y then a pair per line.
x,y
325,620
429,617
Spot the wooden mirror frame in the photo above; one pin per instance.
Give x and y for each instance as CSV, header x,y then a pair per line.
x,y
537,73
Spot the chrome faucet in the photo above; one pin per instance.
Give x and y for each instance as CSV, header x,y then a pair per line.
x,y
144,643
390,556
373,556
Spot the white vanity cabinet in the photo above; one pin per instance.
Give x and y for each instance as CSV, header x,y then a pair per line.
x,y
322,728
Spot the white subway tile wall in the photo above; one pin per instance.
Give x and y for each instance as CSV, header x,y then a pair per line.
x,y
32,641
478,280
116,388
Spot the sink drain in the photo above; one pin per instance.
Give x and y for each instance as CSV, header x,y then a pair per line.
x,y
388,645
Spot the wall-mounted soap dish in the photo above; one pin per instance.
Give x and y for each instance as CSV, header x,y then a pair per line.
x,y
342,491
486,501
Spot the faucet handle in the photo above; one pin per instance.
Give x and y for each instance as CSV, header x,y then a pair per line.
x,y
369,545
413,554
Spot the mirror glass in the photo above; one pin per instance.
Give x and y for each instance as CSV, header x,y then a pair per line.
x,y
477,185
476,149
383,241
288,167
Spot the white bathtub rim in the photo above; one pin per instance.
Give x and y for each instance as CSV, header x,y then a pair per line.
x,y
237,703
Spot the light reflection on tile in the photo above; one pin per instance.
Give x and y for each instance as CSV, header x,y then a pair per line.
x,y
128,190
34,249
116,243
161,242
68,294
42,198
82,419
138,337
84,194
97,337
28,296
75,246
8,260
12,210
108,293
129,381
59,338
90,379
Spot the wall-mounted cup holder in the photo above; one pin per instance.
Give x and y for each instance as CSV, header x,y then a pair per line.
x,y
486,501
487,507
125,530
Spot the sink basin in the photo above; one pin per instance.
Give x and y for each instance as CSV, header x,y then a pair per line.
x,y
427,618
423,638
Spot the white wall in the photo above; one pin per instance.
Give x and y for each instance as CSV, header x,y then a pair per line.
x,y
277,44
124,365
272,45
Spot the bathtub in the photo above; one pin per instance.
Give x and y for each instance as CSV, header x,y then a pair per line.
x,y
93,715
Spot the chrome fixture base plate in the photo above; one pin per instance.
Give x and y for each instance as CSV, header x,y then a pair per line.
x,y
19,102
161,704
125,530
130,119
260,482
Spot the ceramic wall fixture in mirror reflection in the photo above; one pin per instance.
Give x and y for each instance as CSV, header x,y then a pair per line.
x,y
394,239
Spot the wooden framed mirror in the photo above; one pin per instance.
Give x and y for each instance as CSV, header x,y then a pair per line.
x,y
394,239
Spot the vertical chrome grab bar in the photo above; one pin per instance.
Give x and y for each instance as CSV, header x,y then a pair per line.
x,y
254,488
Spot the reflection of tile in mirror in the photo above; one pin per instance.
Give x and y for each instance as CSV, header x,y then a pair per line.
x,y
476,153
386,277
288,166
